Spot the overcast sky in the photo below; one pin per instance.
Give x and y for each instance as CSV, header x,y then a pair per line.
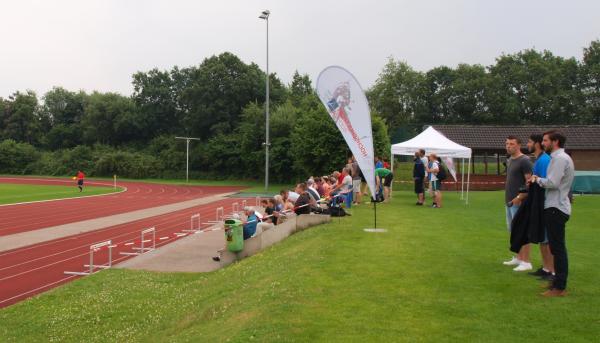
x,y
99,44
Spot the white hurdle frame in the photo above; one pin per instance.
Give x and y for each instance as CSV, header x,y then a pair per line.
x,y
244,203
220,216
194,219
235,207
142,249
257,201
92,266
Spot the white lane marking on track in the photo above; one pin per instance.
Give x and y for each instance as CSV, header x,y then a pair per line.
x,y
124,189
33,290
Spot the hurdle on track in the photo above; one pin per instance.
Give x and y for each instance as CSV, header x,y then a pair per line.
x,y
244,204
94,248
235,207
220,217
142,248
257,201
194,223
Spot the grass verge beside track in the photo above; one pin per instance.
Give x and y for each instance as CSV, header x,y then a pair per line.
x,y
17,193
436,275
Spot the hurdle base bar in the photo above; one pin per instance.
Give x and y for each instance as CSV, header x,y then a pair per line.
x,y
78,273
130,253
97,266
142,249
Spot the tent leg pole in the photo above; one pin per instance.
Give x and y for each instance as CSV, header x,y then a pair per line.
x,y
468,183
392,168
462,179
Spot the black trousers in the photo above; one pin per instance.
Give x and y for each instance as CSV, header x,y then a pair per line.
x,y
555,221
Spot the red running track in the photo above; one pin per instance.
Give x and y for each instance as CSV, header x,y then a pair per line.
x,y
32,216
28,271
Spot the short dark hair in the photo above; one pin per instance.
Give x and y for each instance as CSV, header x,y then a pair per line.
x,y
302,186
554,135
513,137
422,151
536,138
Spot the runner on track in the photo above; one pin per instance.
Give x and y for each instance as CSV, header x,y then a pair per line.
x,y
80,176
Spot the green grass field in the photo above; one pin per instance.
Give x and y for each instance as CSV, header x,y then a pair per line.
x,y
435,276
16,193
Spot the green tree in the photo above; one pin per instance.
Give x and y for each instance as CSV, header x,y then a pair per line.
x,y
316,143
539,87
399,94
157,96
110,119
300,87
590,78
64,110
219,89
22,120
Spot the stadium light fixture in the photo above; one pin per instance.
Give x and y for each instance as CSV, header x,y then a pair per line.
x,y
265,16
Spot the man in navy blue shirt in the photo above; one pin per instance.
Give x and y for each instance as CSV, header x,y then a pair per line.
x,y
418,175
540,168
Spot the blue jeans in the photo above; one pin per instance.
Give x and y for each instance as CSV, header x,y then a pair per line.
x,y
510,214
349,197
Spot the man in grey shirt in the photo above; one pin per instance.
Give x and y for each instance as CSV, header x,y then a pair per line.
x,y
518,171
557,207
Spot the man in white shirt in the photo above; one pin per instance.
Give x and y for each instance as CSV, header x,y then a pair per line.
x,y
557,207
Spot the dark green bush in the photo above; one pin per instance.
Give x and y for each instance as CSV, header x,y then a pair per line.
x,y
16,157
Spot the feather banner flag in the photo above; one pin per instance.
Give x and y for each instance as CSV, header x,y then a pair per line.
x,y
347,105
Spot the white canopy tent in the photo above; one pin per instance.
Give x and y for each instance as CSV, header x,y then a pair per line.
x,y
434,142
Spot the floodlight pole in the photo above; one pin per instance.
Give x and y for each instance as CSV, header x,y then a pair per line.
x,y
265,16
187,155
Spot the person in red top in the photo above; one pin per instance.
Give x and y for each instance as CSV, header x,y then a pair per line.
x,y
386,164
80,177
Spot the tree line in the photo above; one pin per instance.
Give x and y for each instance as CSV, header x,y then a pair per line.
x,y
528,87
221,101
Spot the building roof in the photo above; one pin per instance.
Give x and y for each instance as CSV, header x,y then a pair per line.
x,y
491,137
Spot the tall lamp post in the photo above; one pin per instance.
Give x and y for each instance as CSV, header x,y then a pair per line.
x,y
265,16
187,155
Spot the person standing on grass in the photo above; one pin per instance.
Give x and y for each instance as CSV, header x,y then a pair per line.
x,y
418,175
518,171
542,160
80,176
433,168
557,207
356,181
425,161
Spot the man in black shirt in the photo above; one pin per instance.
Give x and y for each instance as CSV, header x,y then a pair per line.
x,y
303,203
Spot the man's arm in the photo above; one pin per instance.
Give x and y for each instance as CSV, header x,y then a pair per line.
x,y
555,174
521,196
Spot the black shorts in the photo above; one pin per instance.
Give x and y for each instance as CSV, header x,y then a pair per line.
x,y
387,181
419,186
80,182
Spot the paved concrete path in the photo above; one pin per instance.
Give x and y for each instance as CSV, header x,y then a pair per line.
x,y
189,254
194,253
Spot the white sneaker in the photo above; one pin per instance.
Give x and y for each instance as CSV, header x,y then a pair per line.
x,y
523,266
515,261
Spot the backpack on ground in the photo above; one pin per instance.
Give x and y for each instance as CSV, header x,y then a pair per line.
x,y
337,212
